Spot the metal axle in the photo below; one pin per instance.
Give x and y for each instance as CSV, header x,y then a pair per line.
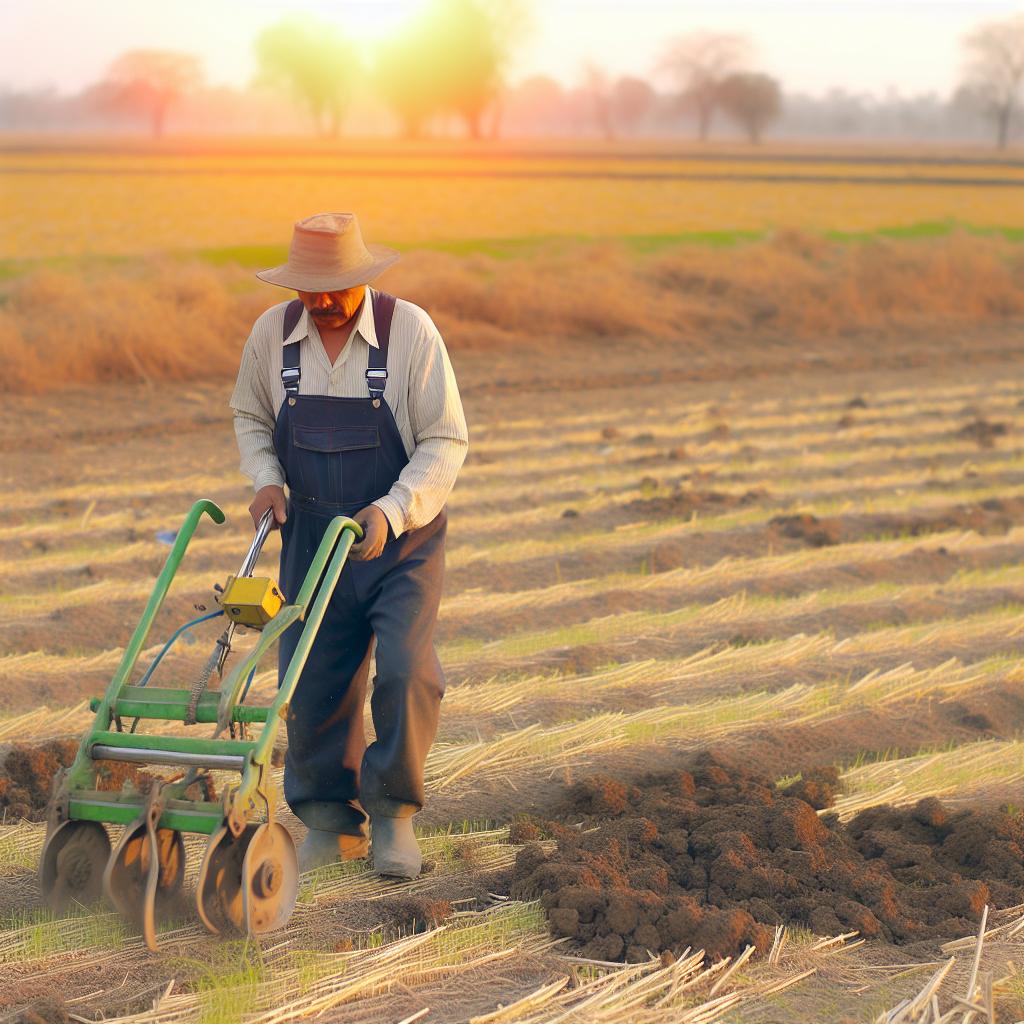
x,y
142,755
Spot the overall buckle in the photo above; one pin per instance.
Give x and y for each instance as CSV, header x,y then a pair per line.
x,y
376,378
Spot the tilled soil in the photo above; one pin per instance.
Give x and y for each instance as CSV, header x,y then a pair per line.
x,y
988,516
29,771
715,857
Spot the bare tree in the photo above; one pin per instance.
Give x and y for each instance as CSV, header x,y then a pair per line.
x,y
994,72
535,104
148,82
632,99
698,62
598,90
752,99
315,62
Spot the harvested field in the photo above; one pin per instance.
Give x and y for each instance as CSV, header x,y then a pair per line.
x,y
743,572
732,632
114,197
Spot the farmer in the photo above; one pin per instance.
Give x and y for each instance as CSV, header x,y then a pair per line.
x,y
346,396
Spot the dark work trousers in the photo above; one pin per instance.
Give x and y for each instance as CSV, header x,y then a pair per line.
x,y
339,454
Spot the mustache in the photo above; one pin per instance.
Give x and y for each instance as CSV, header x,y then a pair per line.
x,y
331,311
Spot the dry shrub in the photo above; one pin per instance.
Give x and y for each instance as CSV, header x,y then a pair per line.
x,y
157,321
170,321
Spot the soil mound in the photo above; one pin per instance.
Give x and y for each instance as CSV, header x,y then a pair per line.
x,y
681,502
989,516
29,770
715,857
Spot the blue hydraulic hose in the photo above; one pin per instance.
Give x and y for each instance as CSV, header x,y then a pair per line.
x,y
174,636
248,683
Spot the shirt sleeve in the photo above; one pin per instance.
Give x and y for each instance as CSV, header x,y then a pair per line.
x,y
255,419
439,428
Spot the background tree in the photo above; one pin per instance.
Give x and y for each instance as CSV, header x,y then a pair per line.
x,y
752,99
450,57
407,76
994,72
148,83
537,103
315,62
470,71
698,62
632,100
598,91
511,22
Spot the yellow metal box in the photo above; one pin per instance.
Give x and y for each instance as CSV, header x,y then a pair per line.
x,y
251,600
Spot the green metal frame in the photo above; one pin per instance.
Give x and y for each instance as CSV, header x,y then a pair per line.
x,y
254,793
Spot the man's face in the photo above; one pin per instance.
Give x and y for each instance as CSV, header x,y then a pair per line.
x,y
333,309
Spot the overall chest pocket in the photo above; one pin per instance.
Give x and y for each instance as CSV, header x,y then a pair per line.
x,y
338,464
335,439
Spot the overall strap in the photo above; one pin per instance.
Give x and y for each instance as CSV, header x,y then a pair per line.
x,y
377,368
290,372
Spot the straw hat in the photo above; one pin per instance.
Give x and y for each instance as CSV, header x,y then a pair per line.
x,y
327,254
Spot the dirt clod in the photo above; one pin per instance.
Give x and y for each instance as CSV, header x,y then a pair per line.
x,y
48,1010
28,776
714,858
808,528
416,913
817,788
983,431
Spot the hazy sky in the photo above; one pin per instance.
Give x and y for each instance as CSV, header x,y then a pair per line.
x,y
810,45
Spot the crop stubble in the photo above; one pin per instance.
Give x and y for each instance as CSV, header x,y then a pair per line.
x,y
817,545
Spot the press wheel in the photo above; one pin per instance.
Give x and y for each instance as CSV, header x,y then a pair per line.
x,y
248,884
145,871
71,867
271,879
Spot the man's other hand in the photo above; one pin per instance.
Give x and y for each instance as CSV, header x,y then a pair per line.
x,y
270,496
376,527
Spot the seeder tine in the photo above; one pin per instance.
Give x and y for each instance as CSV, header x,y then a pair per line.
x,y
145,869
219,886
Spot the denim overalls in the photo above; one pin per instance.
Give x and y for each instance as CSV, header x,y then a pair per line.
x,y
338,455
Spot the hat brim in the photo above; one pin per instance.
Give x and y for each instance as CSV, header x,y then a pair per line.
x,y
287,277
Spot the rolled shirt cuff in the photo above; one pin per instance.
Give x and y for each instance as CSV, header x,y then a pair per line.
x,y
265,477
393,512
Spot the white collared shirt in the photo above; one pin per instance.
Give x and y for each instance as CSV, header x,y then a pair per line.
x,y
420,390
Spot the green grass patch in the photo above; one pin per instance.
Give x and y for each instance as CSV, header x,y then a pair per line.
x,y
255,257
227,980
43,934
925,230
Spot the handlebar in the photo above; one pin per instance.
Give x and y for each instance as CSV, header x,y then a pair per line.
x,y
262,532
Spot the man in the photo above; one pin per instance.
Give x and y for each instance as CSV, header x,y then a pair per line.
x,y
348,399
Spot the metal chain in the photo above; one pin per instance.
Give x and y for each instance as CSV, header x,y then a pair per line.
x,y
199,686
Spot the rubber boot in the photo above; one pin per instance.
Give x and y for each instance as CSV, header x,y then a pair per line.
x,y
395,851
320,847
